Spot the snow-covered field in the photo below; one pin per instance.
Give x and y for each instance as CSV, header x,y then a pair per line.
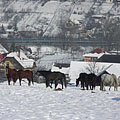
x,y
36,102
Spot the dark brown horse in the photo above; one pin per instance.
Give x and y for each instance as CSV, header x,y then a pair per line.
x,y
88,80
51,77
11,74
26,74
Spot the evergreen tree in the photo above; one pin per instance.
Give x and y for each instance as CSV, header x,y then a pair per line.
x,y
3,30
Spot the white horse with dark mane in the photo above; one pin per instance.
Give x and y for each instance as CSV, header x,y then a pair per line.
x,y
110,80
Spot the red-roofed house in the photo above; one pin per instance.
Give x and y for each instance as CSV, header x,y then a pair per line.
x,y
94,55
98,50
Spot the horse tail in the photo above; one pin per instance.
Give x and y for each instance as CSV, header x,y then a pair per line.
x,y
65,82
115,81
32,78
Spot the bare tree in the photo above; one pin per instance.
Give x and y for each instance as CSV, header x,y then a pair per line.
x,y
109,32
94,68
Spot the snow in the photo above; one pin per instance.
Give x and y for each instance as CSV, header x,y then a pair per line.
x,y
93,55
37,102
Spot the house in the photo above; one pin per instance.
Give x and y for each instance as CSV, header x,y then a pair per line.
x,y
28,34
61,65
94,55
98,17
109,58
18,60
98,50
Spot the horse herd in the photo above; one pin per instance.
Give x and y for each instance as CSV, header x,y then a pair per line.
x,y
13,74
88,81
91,81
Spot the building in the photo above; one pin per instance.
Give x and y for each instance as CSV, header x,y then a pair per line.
x,y
94,55
109,58
18,60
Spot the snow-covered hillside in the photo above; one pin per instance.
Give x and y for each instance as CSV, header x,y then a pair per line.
x,y
40,103
45,15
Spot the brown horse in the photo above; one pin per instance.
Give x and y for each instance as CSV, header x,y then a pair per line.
x,y
11,74
53,77
26,74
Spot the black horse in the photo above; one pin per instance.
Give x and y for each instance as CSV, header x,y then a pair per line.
x,y
53,77
88,80
83,79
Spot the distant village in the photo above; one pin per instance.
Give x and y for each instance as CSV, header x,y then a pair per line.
x,y
73,26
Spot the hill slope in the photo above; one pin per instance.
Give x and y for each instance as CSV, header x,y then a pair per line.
x,y
45,16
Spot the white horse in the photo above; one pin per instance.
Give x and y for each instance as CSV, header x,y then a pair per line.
x,y
107,79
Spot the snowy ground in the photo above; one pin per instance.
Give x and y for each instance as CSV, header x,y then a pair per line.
x,y
38,103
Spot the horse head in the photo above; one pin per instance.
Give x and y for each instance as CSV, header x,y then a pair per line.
x,y
77,82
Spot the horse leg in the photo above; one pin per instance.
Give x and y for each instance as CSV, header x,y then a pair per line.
x,y
46,83
61,83
56,83
20,81
86,85
82,85
109,87
49,81
91,87
115,86
13,81
29,82
101,86
104,87
8,81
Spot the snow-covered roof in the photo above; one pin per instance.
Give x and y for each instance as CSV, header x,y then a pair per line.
x,y
10,30
23,59
98,16
77,67
93,55
64,70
